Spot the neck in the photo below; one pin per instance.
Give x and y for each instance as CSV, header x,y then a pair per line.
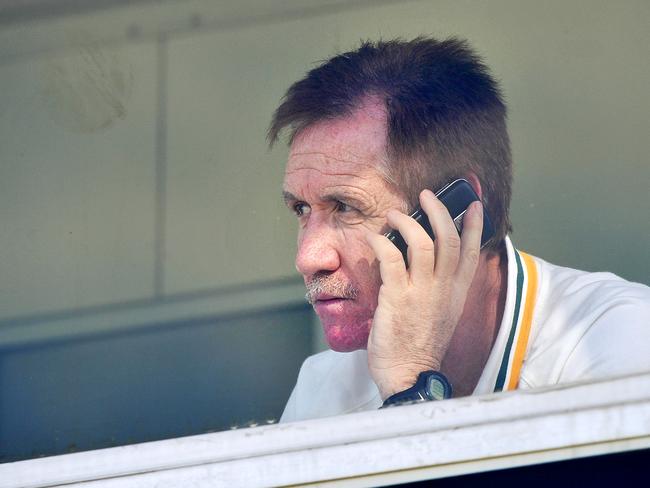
x,y
479,324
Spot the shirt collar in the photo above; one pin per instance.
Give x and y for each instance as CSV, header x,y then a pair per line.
x,y
503,368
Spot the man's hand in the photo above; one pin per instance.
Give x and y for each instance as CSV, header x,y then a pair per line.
x,y
419,307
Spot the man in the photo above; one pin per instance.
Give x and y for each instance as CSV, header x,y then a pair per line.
x,y
372,132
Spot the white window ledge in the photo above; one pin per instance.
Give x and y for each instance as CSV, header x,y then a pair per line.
x,y
400,444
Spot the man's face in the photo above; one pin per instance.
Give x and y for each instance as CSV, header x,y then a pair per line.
x,y
333,185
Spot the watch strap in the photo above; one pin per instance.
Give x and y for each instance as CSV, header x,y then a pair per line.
x,y
430,385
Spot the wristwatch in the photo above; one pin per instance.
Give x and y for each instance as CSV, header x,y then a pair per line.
x,y
430,385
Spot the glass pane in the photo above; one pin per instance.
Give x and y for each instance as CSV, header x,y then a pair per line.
x,y
147,279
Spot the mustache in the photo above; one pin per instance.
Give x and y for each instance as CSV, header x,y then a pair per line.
x,y
327,284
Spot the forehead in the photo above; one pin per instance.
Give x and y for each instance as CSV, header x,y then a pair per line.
x,y
352,146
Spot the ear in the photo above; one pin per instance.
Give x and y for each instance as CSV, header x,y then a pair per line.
x,y
475,183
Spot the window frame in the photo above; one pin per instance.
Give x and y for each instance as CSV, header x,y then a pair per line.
x,y
396,445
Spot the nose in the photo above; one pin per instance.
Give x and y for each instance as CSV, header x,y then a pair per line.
x,y
317,249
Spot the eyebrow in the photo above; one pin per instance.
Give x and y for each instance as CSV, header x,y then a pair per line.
x,y
345,197
289,197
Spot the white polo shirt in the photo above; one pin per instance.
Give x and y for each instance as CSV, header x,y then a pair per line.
x,y
559,325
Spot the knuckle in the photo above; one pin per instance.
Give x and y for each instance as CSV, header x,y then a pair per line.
x,y
452,241
394,258
472,256
424,245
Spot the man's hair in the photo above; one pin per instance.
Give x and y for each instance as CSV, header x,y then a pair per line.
x,y
445,115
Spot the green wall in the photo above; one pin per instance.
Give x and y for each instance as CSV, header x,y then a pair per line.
x,y
137,168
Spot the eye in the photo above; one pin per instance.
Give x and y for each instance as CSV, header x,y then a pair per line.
x,y
300,208
344,207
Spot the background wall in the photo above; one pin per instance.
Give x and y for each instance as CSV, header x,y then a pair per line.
x,y
135,180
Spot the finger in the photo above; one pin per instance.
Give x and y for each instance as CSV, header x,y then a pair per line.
x,y
470,247
391,263
447,243
420,251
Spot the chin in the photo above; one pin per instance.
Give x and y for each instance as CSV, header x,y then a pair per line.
x,y
346,339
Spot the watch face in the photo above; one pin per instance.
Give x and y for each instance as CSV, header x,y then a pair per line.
x,y
437,388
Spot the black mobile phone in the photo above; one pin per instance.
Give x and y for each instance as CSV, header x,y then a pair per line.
x,y
456,196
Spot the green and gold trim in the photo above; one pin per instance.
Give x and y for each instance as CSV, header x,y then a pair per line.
x,y
525,297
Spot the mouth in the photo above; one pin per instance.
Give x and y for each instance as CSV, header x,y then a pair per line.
x,y
329,305
324,297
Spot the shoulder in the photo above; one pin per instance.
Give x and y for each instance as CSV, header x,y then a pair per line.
x,y
331,383
585,297
572,284
587,326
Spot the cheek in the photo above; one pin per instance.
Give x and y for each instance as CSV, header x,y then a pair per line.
x,y
361,264
368,281
364,265
355,248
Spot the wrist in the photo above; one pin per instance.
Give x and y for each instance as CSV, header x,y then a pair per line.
x,y
400,379
388,389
